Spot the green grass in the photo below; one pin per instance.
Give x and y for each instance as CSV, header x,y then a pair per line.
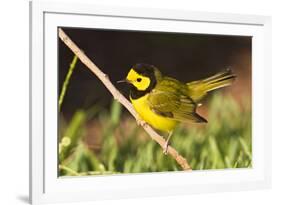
x,y
100,141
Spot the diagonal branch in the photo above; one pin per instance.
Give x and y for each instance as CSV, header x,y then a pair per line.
x,y
120,98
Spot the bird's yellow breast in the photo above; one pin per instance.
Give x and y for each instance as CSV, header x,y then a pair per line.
x,y
158,122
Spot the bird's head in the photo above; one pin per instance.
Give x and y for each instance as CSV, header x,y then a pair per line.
x,y
143,77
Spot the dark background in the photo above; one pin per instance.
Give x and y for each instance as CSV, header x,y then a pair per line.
x,y
186,57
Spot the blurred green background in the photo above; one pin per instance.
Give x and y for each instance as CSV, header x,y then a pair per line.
x,y
98,136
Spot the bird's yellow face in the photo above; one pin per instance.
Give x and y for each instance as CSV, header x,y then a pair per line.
x,y
140,82
143,78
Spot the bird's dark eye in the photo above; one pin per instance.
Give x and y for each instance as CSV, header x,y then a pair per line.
x,y
139,79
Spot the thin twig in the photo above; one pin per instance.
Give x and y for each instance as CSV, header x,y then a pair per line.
x,y
66,80
120,98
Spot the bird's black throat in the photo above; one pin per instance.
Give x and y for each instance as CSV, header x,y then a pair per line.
x,y
135,93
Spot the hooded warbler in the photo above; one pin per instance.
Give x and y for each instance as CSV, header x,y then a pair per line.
x,y
163,102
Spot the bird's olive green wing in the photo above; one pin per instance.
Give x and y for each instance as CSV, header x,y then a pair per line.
x,y
168,100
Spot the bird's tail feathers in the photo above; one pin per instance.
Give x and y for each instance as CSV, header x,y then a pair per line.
x,y
219,80
198,89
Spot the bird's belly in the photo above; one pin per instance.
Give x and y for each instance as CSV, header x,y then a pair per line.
x,y
155,120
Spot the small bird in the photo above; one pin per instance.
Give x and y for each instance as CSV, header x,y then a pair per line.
x,y
163,102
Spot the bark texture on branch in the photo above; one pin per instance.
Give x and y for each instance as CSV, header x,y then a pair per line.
x,y
120,98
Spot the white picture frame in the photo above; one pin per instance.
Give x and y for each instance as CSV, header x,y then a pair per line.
x,y
46,187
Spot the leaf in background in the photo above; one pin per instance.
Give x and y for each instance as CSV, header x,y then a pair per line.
x,y
109,151
116,109
73,132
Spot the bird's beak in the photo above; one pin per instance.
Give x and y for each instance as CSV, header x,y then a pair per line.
x,y
123,81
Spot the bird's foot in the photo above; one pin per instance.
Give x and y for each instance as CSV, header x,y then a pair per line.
x,y
166,145
140,122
